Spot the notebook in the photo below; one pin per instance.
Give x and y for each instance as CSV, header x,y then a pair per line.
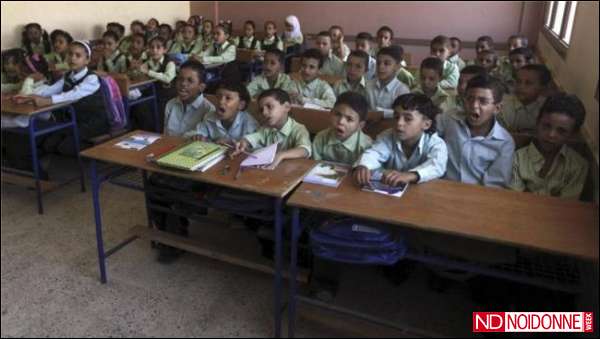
x,y
261,157
377,186
327,173
195,155
138,141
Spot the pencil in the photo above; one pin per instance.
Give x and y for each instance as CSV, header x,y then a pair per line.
x,y
247,153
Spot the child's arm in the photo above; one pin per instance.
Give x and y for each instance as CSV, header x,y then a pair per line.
x,y
451,75
325,98
294,153
166,77
435,165
575,181
499,172
227,56
373,158
240,147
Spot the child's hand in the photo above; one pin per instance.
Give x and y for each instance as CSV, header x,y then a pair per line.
x,y
362,175
199,137
41,101
144,68
278,158
240,147
21,99
395,178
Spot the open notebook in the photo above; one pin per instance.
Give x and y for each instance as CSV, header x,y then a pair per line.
x,y
261,157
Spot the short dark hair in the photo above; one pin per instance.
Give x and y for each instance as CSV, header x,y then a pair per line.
x,y
190,26
434,64
473,69
420,103
313,53
166,26
112,35
137,23
395,51
486,38
224,27
488,82
364,36
519,37
160,39
386,29
324,34
440,40
360,54
567,104
118,26
337,27
524,51
276,93
356,101
194,66
58,32
237,87
459,42
278,53
544,74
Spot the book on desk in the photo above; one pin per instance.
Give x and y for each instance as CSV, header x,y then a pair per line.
x,y
193,156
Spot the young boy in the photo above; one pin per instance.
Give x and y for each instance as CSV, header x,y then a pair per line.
x,y
272,75
484,43
504,64
310,89
344,141
403,74
489,60
340,49
480,151
456,47
293,138
382,91
411,152
136,27
332,65
184,112
440,48
548,166
430,75
356,67
363,43
385,37
518,58
520,111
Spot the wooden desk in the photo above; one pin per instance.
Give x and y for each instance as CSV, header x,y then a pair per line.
x,y
29,109
245,55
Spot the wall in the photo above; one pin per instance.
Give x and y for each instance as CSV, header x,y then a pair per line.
x,y
409,20
83,19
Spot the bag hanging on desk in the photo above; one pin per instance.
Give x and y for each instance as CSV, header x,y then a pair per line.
x,y
350,241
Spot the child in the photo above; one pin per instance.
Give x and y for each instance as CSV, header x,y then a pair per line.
x,y
13,63
137,55
222,51
382,92
151,28
403,74
184,112
385,36
340,49
520,111
230,122
112,61
332,65
206,38
488,60
518,58
363,43
310,89
344,141
271,40
504,64
117,28
480,151
136,27
292,37
166,32
440,48
35,40
356,67
411,152
249,40
272,75
189,44
456,47
548,166
57,59
430,75
292,138
484,43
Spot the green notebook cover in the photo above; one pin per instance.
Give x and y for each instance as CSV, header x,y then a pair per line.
x,y
192,155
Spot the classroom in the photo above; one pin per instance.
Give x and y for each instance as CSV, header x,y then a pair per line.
x,y
299,169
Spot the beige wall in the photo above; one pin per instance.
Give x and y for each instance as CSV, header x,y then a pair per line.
x,y
83,19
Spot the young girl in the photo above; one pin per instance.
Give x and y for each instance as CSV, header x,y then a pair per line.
x,y
221,51
340,49
188,45
112,61
117,28
35,40
249,41
292,37
57,60
230,122
166,32
271,40
137,55
151,28
206,38
136,27
196,21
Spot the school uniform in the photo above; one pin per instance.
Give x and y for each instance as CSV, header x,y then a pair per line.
x,y
219,54
249,43
345,52
565,178
372,69
317,92
291,135
60,63
180,118
8,85
124,44
428,159
381,97
115,63
39,48
27,87
455,59
332,65
272,43
440,98
193,47
261,84
345,86
163,70
450,75
407,78
326,146
289,42
481,160
212,127
515,116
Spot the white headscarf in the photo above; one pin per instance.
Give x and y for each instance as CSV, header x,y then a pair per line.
x,y
296,32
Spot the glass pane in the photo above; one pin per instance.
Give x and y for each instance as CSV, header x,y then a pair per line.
x,y
549,14
560,12
570,22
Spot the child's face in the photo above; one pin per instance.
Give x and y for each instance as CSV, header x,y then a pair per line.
x,y
410,124
324,45
34,34
517,61
309,69
480,106
384,39
355,68
188,34
515,43
188,85
387,67
529,86
219,35
229,104
271,66
430,79
289,27
274,113
336,34
440,51
151,25
454,47
11,68
462,83
164,33
156,50
249,30
137,29
363,45
78,57
207,27
481,46
553,130
109,44
115,30
270,30
487,61
137,45
345,121
60,44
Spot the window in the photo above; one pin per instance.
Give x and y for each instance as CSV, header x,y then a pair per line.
x,y
558,24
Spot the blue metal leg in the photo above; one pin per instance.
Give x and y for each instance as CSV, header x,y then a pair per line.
x,y
35,160
77,147
98,219
278,260
293,272
148,212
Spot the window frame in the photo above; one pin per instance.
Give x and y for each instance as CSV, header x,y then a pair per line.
x,y
557,40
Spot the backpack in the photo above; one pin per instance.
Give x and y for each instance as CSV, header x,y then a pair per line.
x,y
117,117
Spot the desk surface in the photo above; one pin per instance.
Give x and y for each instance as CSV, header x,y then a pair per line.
x,y
490,214
275,183
8,106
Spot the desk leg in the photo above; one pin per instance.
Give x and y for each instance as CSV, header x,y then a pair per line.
x,y
278,260
146,199
156,112
77,147
35,163
98,219
296,231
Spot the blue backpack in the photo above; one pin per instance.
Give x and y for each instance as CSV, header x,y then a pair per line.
x,y
350,241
